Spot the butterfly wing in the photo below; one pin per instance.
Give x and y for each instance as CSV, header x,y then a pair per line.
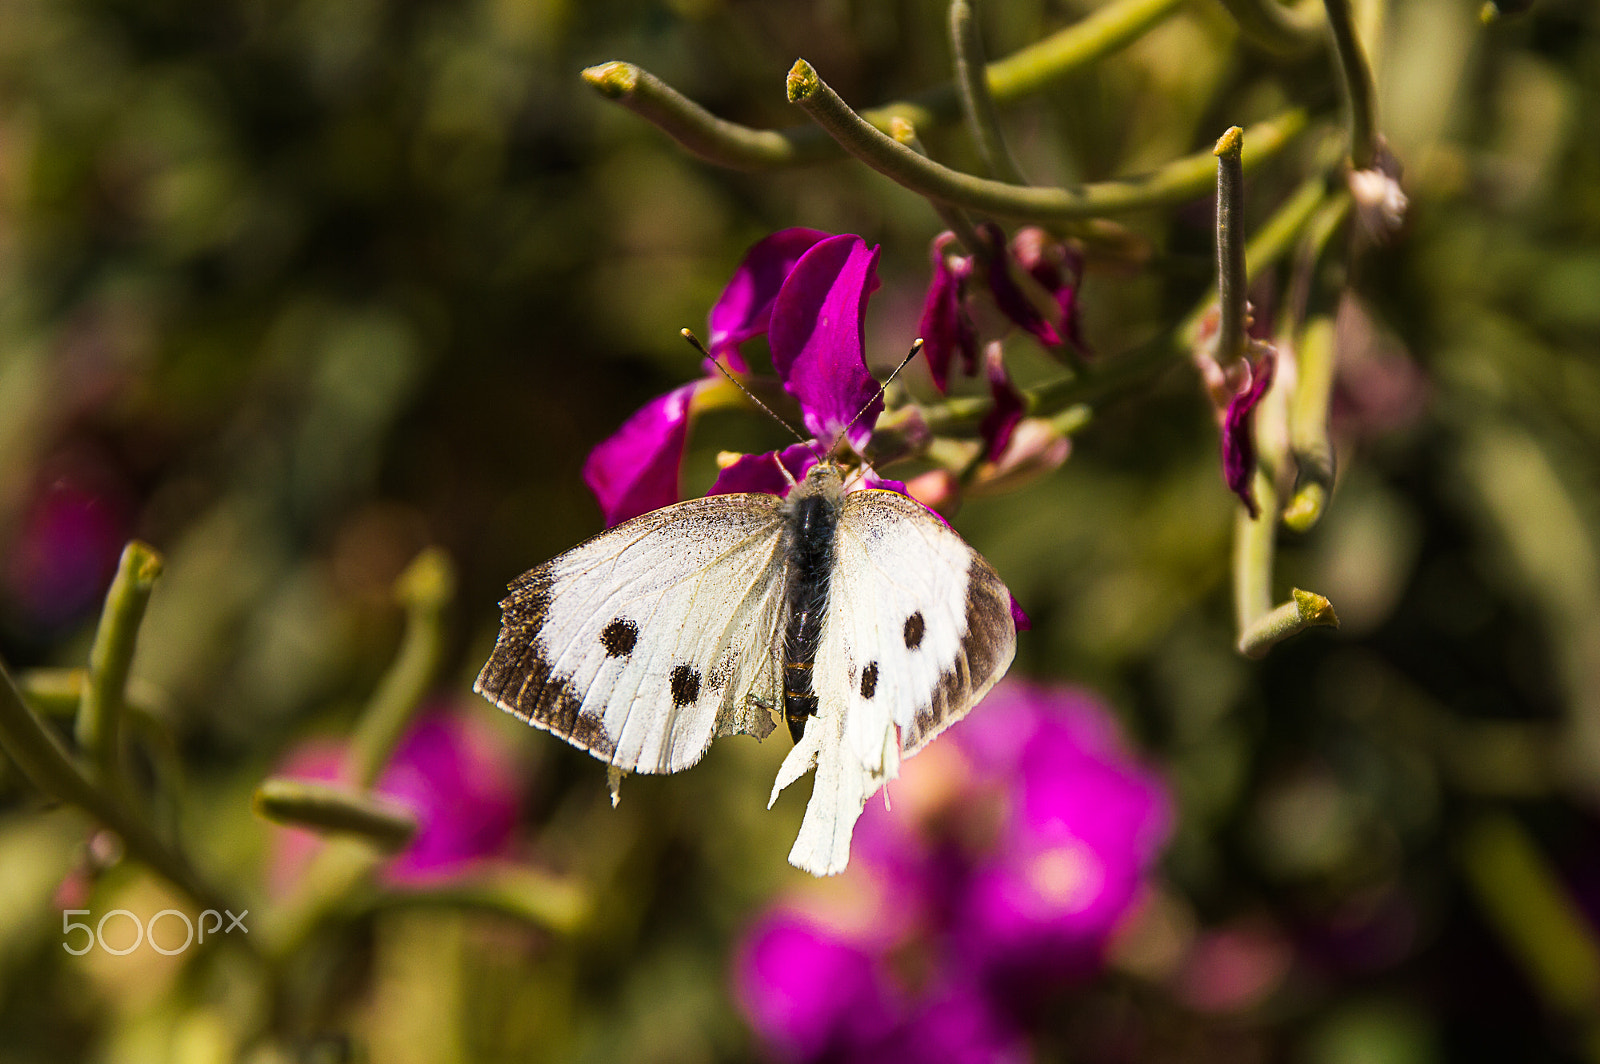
x,y
645,643
918,628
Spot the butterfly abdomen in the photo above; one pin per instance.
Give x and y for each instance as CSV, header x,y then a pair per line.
x,y
812,522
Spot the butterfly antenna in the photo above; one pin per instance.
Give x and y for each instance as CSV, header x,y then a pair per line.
x,y
916,346
694,342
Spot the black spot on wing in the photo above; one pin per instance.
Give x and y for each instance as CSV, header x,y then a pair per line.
x,y
869,680
913,631
685,685
619,637
986,648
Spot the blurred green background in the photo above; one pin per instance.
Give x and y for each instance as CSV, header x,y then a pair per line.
x,y
291,290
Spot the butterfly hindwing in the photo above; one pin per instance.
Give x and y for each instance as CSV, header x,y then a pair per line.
x,y
644,643
918,628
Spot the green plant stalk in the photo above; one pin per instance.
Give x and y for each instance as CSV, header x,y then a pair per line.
x,y
1270,243
326,808
972,86
1305,609
42,759
954,218
1254,541
739,147
1524,901
1277,27
1356,77
99,726
531,897
1308,425
1232,285
426,588
1181,180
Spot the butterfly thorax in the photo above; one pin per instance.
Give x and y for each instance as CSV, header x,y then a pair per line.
x,y
812,516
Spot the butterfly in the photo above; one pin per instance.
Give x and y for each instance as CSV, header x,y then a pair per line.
x,y
861,616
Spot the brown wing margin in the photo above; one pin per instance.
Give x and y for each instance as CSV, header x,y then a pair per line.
x,y
987,647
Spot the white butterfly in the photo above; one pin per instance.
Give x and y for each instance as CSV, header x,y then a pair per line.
x,y
862,617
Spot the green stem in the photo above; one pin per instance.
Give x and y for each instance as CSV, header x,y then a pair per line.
x,y
972,85
425,588
42,759
1022,73
523,894
1181,180
1232,287
325,808
1356,76
1305,609
1253,545
954,218
1308,425
1278,27
99,727
1271,242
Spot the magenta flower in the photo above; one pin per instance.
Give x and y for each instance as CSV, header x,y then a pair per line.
x,y
66,546
807,291
453,775
1238,432
636,470
1011,856
744,309
808,992
946,328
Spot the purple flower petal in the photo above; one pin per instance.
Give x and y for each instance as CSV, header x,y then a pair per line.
x,y
1023,622
1001,420
809,992
816,338
946,327
1238,439
457,779
1058,268
1008,296
635,470
745,306
759,472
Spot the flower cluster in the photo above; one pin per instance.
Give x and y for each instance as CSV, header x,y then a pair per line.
x,y
1016,850
806,291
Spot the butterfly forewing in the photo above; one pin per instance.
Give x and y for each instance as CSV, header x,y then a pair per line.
x,y
918,628
647,641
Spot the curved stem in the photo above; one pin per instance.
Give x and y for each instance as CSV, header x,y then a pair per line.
x,y
1278,27
972,85
100,713
1180,180
425,588
41,758
742,148
1356,75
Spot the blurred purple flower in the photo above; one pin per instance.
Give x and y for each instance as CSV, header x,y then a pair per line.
x,y
453,775
66,546
1011,856
808,992
1238,432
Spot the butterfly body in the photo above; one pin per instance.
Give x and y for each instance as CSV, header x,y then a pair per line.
x,y
813,518
862,614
